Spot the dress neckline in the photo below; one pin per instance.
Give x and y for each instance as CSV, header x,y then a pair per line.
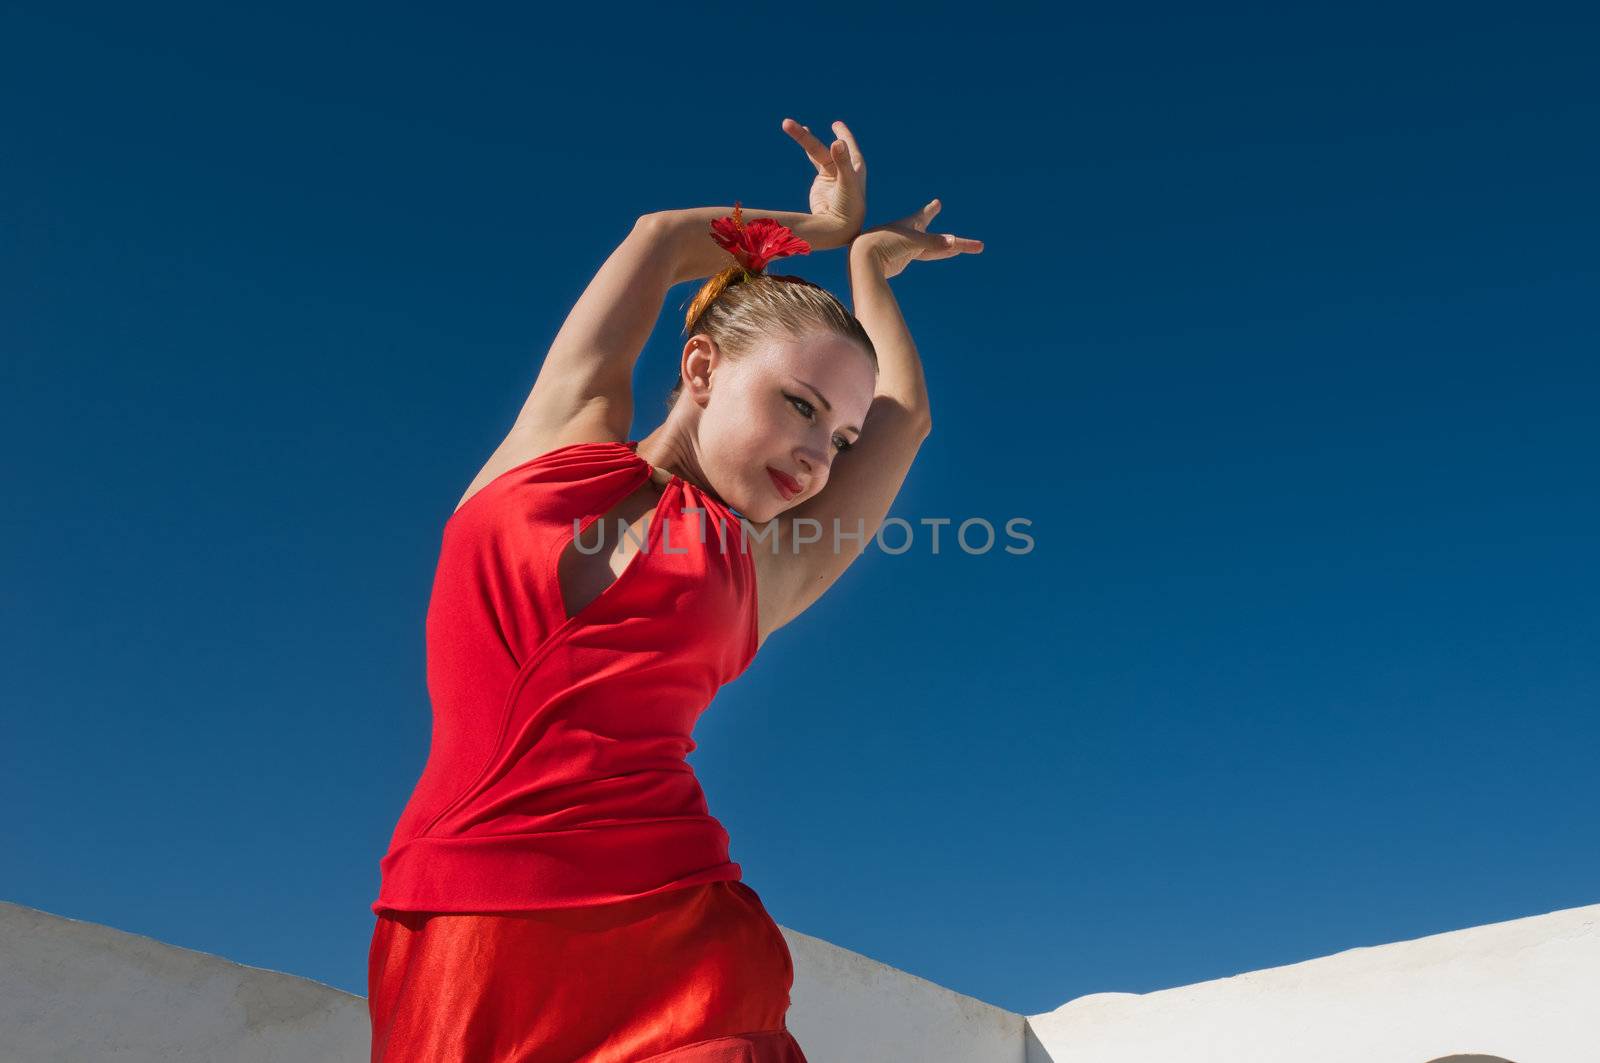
x,y
633,448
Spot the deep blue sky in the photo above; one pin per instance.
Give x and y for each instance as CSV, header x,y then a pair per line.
x,y
1284,338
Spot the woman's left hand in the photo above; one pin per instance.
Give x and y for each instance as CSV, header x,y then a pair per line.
x,y
839,193
896,244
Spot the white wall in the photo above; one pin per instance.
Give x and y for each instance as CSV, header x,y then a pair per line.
x,y
846,1008
77,992
1527,990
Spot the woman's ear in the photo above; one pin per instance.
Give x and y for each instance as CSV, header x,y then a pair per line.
x,y
700,356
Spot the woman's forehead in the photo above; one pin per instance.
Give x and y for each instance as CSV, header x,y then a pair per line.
x,y
837,373
814,352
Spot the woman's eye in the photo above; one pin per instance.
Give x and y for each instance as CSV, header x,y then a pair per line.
x,y
840,443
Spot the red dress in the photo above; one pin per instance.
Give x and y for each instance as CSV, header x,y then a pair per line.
x,y
556,889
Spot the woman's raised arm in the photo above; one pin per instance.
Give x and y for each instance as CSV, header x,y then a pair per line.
x,y
818,539
585,386
584,389
696,255
585,383
838,200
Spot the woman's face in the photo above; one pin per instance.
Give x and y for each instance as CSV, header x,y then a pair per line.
x,y
773,421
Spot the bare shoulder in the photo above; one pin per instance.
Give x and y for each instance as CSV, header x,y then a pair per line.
x,y
529,440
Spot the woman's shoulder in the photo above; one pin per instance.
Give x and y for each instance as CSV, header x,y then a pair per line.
x,y
523,448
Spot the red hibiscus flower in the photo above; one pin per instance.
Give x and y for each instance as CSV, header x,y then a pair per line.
x,y
757,242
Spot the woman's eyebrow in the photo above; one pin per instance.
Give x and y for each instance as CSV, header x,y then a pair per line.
x,y
825,404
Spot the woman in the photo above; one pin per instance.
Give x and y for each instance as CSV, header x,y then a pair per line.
x,y
556,889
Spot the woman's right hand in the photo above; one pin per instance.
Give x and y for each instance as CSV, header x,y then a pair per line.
x,y
839,192
894,245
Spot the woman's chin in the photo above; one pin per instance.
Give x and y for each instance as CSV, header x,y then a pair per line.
x,y
762,511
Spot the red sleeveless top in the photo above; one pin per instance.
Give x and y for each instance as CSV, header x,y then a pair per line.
x,y
557,774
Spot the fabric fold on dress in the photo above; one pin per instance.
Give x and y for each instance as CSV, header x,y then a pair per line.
x,y
697,975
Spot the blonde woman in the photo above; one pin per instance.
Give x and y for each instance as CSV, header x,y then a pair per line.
x,y
556,888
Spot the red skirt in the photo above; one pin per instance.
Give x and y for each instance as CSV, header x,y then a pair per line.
x,y
699,974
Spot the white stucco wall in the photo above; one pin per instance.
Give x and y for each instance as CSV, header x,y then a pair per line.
x,y
77,992
1527,990
846,1008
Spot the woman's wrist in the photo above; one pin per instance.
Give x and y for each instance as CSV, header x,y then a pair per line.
x,y
864,255
687,235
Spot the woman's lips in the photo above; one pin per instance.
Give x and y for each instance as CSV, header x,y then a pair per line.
x,y
787,486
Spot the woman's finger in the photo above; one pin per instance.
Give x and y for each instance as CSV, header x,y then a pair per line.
x,y
821,157
944,245
843,132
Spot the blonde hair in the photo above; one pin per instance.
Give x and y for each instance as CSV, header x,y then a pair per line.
x,y
737,309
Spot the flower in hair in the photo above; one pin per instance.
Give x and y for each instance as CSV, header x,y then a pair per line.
x,y
757,242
